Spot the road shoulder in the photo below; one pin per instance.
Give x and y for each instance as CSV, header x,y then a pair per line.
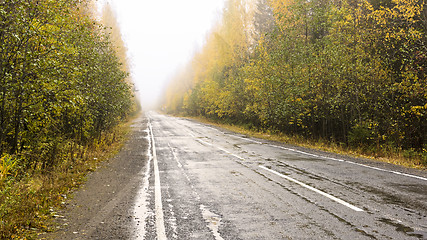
x,y
102,207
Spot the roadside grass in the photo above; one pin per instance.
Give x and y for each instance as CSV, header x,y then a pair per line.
x,y
29,203
407,158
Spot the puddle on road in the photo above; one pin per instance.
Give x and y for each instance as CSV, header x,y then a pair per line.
x,y
213,221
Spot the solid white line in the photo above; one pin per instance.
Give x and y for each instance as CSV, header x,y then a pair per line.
x,y
220,148
315,190
293,180
338,160
214,129
330,158
234,155
350,162
247,139
141,203
160,223
203,142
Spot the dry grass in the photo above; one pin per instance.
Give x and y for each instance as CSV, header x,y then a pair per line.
x,y
28,205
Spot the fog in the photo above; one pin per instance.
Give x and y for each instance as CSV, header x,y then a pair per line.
x,y
161,36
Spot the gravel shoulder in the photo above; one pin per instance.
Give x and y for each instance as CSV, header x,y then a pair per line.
x,y
103,207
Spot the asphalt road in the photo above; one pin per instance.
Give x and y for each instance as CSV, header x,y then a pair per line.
x,y
202,182
180,179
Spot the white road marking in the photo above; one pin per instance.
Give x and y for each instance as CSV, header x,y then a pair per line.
x,y
160,223
220,148
350,162
234,155
292,180
184,173
213,221
204,142
317,156
172,221
336,159
248,139
213,129
141,210
315,190
175,157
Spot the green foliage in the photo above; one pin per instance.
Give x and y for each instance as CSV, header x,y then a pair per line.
x,y
28,202
61,88
349,72
7,165
60,79
361,135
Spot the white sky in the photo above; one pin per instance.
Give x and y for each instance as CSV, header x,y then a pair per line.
x,y
161,36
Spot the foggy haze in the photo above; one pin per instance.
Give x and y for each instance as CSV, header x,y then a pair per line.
x,y
161,36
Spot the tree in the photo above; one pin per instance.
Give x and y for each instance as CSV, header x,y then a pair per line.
x,y
346,71
60,78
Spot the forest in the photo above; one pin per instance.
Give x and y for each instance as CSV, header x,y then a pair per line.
x,y
353,72
64,84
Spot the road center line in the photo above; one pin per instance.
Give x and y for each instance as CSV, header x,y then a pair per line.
x,y
248,139
337,160
292,180
204,142
220,148
160,223
315,190
213,221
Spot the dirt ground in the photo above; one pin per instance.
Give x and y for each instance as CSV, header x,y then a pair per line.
x,y
103,207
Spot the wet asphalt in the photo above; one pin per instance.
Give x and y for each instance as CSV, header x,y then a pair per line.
x,y
215,184
180,179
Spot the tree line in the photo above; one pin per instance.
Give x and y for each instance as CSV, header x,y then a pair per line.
x,y
348,71
61,82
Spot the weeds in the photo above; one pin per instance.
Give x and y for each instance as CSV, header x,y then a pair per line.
x,y
28,200
7,163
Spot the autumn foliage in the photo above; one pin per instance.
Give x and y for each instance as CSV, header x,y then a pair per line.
x,y
352,72
62,88
61,83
